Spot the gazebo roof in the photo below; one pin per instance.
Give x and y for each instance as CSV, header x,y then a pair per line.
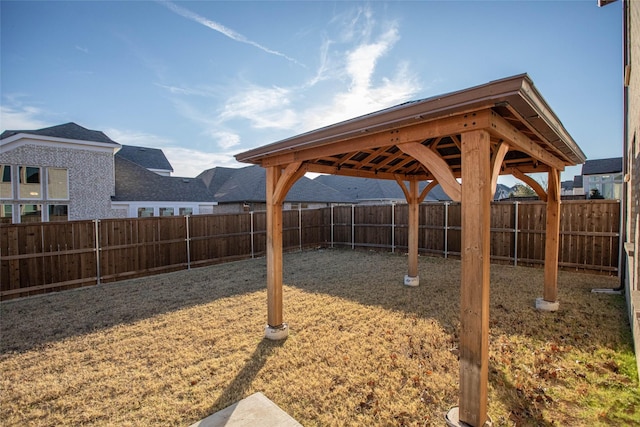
x,y
511,109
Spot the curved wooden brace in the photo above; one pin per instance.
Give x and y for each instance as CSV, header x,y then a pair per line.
x,y
436,165
531,183
291,174
426,190
496,163
400,182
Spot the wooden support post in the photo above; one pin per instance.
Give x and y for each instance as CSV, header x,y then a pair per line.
x,y
274,250
552,238
474,294
414,225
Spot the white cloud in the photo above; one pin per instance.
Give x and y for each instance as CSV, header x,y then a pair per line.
x,y
225,139
82,49
142,139
228,32
21,118
263,107
190,163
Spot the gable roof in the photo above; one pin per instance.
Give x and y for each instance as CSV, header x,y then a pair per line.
x,y
248,184
602,166
136,183
65,131
150,158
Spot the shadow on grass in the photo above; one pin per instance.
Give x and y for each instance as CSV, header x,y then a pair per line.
x,y
29,323
238,388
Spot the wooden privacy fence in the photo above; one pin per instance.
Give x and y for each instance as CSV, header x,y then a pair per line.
x,y
36,258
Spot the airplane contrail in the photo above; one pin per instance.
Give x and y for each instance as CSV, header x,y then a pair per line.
x,y
234,35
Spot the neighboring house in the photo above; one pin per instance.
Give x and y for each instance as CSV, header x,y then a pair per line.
x,y
572,187
150,158
578,185
380,191
244,189
141,193
59,173
604,175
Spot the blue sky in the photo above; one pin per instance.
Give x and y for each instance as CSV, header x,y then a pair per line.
x,y
205,80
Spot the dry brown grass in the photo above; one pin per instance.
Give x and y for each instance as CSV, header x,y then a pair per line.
x,y
363,349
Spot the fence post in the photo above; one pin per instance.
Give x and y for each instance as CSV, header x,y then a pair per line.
x,y
332,225
446,229
97,249
353,227
393,227
251,218
515,236
186,218
300,226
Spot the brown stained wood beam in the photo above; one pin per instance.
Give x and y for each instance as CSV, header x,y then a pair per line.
x,y
347,158
530,182
497,157
414,228
412,133
520,118
456,141
519,141
291,174
400,180
401,164
433,162
474,290
426,190
552,238
274,249
358,173
371,156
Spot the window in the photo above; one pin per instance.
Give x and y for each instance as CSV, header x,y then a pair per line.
x,y
30,187
57,184
30,213
145,212
58,213
166,211
6,190
6,214
186,211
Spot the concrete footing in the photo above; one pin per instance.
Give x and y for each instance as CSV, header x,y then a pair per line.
x,y
452,418
411,281
543,305
276,333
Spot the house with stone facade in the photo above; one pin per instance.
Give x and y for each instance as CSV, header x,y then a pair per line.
x,y
59,173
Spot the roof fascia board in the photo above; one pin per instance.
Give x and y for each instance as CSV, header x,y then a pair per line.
x,y
544,112
22,139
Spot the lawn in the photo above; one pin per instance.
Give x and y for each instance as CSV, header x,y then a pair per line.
x,y
363,349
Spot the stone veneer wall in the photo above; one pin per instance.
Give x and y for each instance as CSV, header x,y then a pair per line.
x,y
90,173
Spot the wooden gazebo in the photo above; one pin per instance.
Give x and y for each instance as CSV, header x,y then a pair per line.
x,y
461,140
